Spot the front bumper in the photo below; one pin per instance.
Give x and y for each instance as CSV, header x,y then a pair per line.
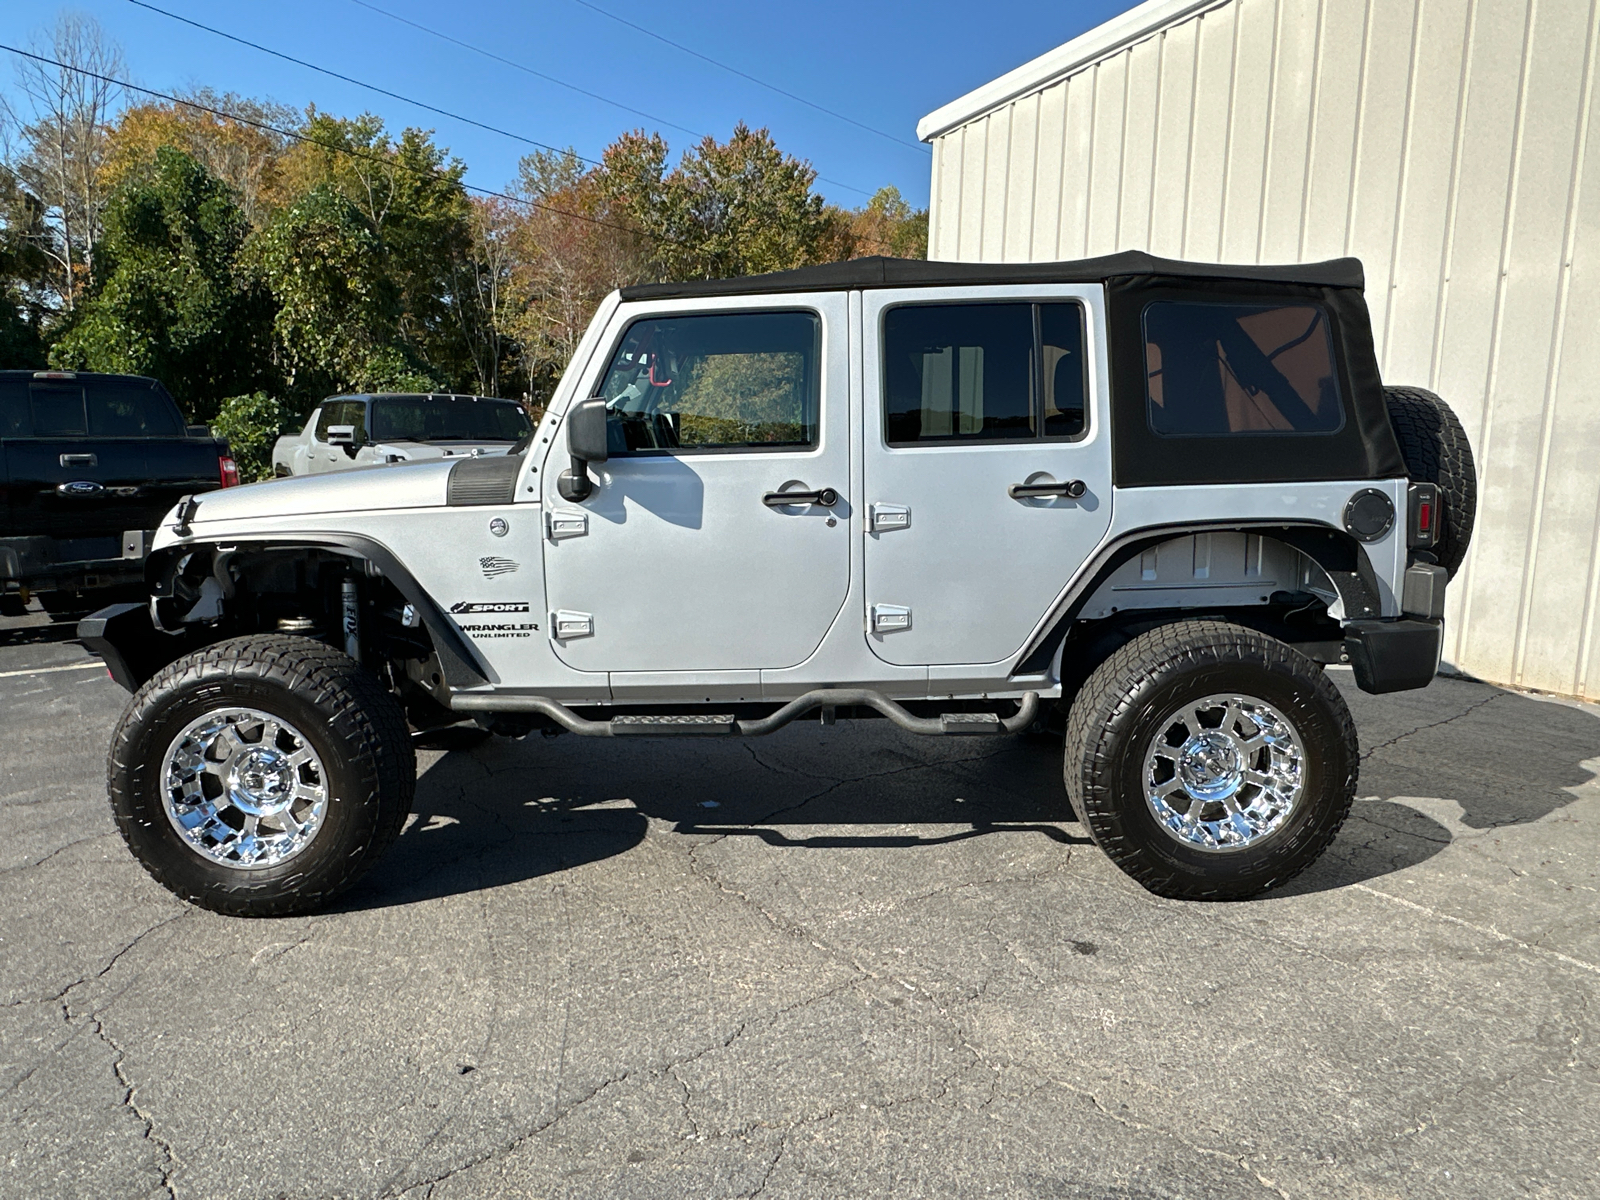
x,y
1394,656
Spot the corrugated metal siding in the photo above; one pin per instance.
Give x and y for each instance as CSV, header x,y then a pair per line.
x,y
1445,142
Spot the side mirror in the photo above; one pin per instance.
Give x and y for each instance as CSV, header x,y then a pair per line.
x,y
341,435
586,443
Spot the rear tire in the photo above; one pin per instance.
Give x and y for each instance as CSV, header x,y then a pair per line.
x,y
261,776
1209,761
1435,448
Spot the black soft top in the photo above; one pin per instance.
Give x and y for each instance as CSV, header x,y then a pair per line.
x,y
881,272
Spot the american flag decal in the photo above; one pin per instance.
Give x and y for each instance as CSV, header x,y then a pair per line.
x,y
496,566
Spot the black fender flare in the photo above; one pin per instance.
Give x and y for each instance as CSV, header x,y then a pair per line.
x,y
1342,557
462,665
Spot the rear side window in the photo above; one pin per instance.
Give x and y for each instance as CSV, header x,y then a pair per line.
x,y
445,418
131,408
1219,369
735,381
983,372
13,408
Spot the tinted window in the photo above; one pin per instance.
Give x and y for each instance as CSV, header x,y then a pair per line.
x,y
714,382
13,408
131,408
57,410
1231,368
958,371
1064,370
343,412
991,372
446,418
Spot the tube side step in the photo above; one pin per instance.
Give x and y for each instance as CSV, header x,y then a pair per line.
x,y
695,725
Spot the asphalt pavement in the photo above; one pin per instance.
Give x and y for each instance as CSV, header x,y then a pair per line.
x,y
841,961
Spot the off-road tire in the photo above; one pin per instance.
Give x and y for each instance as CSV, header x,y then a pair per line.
x,y
355,726
1435,448
1116,714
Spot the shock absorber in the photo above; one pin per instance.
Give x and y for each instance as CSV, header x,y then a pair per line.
x,y
350,597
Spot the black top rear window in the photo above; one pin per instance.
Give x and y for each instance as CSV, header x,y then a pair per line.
x,y
446,418
1219,369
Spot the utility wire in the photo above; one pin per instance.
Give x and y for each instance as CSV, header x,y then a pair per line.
x,y
371,87
527,70
900,141
338,149
638,112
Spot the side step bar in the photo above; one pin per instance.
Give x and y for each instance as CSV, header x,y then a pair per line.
x,y
726,725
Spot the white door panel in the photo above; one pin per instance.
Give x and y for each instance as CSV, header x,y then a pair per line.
x,y
957,570
682,566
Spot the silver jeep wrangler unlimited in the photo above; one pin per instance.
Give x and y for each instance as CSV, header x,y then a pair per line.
x,y
1146,499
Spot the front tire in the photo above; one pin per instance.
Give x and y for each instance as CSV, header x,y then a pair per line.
x,y
261,776
1209,761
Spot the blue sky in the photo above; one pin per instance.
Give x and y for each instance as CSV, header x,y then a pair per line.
x,y
884,65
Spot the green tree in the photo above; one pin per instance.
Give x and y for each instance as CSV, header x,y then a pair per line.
x,y
174,300
252,424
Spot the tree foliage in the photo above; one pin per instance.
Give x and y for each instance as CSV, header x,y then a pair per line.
x,y
252,424
175,302
234,247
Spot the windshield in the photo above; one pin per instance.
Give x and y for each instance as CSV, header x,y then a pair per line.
x,y
446,419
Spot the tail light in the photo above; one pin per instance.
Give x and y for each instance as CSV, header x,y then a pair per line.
x,y
1424,516
228,470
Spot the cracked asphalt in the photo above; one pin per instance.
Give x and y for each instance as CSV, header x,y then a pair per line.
x,y
837,962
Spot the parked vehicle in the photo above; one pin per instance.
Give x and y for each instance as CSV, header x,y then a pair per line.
x,y
363,431
90,464
1152,498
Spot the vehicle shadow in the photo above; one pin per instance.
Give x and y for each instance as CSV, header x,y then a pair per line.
x,y
506,812
39,635
1492,759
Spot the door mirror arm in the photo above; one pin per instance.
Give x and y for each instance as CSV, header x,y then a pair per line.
x,y
586,443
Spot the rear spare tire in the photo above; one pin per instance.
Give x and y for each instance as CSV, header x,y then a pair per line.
x,y
261,776
1436,450
1210,761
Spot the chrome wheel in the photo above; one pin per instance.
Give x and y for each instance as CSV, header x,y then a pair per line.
x,y
244,788
1224,773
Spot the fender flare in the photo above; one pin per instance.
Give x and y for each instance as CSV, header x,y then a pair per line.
x,y
462,665
1339,555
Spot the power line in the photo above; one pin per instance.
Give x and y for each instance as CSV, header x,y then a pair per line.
x,y
900,141
371,87
638,112
527,70
294,135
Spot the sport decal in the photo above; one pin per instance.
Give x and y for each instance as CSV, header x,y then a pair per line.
x,y
490,606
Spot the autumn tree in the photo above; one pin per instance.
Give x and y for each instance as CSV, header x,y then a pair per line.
x,y
63,127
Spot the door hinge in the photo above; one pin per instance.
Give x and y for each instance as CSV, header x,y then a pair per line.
x,y
890,516
890,618
566,524
565,624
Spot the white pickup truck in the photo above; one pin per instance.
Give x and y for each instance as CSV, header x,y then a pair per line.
x,y
1148,499
367,430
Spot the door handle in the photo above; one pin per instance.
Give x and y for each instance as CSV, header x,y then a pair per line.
x,y
79,460
1072,489
823,497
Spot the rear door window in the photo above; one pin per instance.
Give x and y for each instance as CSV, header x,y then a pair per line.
x,y
14,420
1219,369
996,372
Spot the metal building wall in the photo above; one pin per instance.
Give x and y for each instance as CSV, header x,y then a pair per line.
x,y
1444,142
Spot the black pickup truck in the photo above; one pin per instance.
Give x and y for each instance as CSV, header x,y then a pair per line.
x,y
90,463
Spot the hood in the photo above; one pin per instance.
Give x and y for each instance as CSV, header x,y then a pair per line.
x,y
416,451
418,485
